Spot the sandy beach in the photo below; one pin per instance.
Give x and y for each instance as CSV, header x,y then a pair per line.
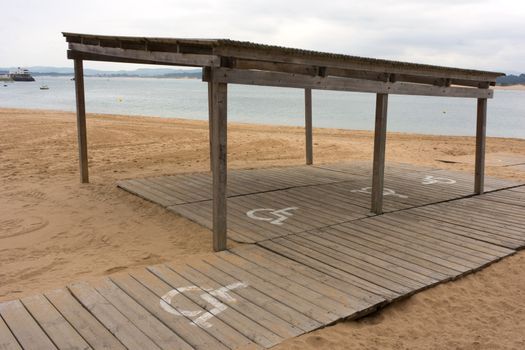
x,y
53,230
518,87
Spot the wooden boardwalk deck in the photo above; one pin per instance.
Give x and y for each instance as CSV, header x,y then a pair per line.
x,y
255,296
268,203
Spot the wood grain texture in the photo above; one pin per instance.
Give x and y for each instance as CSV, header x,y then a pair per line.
x,y
279,79
81,121
378,171
171,58
481,130
219,162
324,195
7,339
59,330
308,126
24,327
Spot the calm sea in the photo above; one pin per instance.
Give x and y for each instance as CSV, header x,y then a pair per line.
x,y
264,105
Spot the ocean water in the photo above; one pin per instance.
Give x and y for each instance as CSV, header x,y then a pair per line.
x,y
187,98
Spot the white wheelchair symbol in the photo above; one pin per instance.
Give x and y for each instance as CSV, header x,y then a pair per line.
x,y
386,192
200,317
279,215
429,179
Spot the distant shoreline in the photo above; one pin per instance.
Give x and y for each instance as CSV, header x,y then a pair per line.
x,y
519,87
164,76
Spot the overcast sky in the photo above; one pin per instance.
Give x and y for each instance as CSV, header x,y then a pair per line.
x,y
464,33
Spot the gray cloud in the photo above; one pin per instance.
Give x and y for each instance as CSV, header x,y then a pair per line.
x,y
483,34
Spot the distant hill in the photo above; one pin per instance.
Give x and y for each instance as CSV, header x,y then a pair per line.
x,y
511,79
140,72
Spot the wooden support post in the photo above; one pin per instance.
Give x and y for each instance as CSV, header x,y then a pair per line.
x,y
210,122
481,127
308,125
378,175
81,121
219,164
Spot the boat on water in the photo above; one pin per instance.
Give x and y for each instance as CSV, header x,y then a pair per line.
x,y
21,74
44,87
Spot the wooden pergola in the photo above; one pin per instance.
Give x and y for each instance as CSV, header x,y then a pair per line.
x,y
234,62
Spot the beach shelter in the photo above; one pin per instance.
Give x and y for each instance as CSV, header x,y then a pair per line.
x,y
235,62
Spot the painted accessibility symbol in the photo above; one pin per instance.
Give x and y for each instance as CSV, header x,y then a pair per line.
x,y
429,179
279,216
211,296
386,192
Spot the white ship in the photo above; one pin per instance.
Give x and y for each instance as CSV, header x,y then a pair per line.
x,y
21,74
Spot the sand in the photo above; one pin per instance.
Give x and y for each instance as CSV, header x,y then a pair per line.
x,y
519,87
484,310
54,230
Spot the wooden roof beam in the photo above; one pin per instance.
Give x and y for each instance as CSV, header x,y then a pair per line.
x,y
141,56
251,77
311,70
101,58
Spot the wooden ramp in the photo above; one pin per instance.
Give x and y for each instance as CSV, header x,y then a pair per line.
x,y
255,296
275,202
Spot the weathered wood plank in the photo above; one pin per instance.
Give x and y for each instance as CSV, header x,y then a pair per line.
x,y
378,247
146,192
401,243
141,318
219,173
314,297
172,58
312,70
210,117
448,234
449,252
378,258
259,298
357,266
26,330
81,121
197,337
189,306
308,125
58,329
311,310
378,172
125,331
481,126
450,216
218,301
93,332
7,339
308,277
197,275
247,77
326,195
293,252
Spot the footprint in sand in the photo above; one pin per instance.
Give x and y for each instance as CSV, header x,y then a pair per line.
x,y
317,341
115,269
21,226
